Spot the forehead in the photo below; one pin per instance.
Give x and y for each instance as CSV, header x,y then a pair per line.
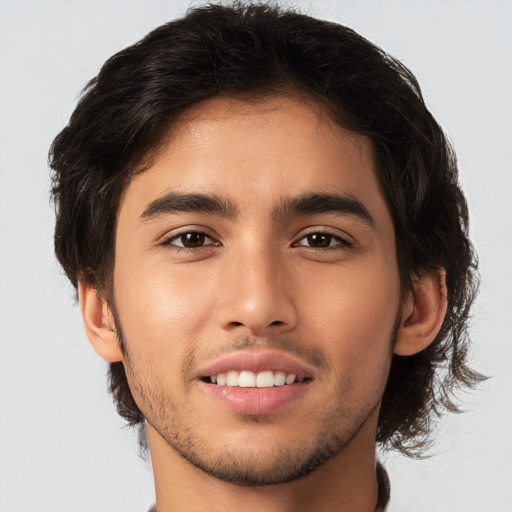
x,y
257,152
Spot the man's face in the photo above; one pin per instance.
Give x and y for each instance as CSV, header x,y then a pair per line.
x,y
258,249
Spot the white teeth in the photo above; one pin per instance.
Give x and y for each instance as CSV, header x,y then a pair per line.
x,y
247,379
290,379
265,379
232,379
279,378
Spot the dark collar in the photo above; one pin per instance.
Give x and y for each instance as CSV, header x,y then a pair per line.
x,y
384,488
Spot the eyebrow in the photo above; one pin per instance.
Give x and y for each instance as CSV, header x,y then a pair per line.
x,y
323,203
176,202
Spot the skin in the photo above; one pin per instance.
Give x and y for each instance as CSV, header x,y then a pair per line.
x,y
299,283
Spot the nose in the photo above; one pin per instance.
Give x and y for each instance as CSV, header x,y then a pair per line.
x,y
257,296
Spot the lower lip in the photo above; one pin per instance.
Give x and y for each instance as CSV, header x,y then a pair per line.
x,y
257,401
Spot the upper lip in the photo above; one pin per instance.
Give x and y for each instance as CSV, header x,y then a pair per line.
x,y
256,362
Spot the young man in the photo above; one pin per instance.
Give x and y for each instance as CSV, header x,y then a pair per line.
x,y
269,243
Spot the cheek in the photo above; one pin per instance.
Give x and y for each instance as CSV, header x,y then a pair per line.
x,y
160,311
354,311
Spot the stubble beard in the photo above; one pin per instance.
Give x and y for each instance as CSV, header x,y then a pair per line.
x,y
238,465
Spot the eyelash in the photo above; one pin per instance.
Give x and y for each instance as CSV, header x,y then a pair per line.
x,y
171,240
340,243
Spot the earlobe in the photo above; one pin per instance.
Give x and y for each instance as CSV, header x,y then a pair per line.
x,y
423,313
99,323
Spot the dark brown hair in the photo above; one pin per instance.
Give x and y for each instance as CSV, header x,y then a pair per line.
x,y
252,51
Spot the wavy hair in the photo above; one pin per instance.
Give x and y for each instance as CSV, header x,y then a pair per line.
x,y
249,51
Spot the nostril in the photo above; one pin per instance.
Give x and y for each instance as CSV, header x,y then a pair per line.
x,y
274,323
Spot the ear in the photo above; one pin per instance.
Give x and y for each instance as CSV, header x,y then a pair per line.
x,y
423,312
99,323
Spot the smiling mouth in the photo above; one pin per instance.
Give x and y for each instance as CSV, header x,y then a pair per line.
x,y
256,384
248,379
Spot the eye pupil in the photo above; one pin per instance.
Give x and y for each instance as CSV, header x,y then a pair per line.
x,y
191,240
319,240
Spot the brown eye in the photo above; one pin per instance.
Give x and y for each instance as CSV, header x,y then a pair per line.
x,y
193,239
319,240
190,240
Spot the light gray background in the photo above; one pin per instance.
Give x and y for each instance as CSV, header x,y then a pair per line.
x,y
62,446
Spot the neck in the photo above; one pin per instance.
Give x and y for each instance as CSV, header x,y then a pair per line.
x,y
346,483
